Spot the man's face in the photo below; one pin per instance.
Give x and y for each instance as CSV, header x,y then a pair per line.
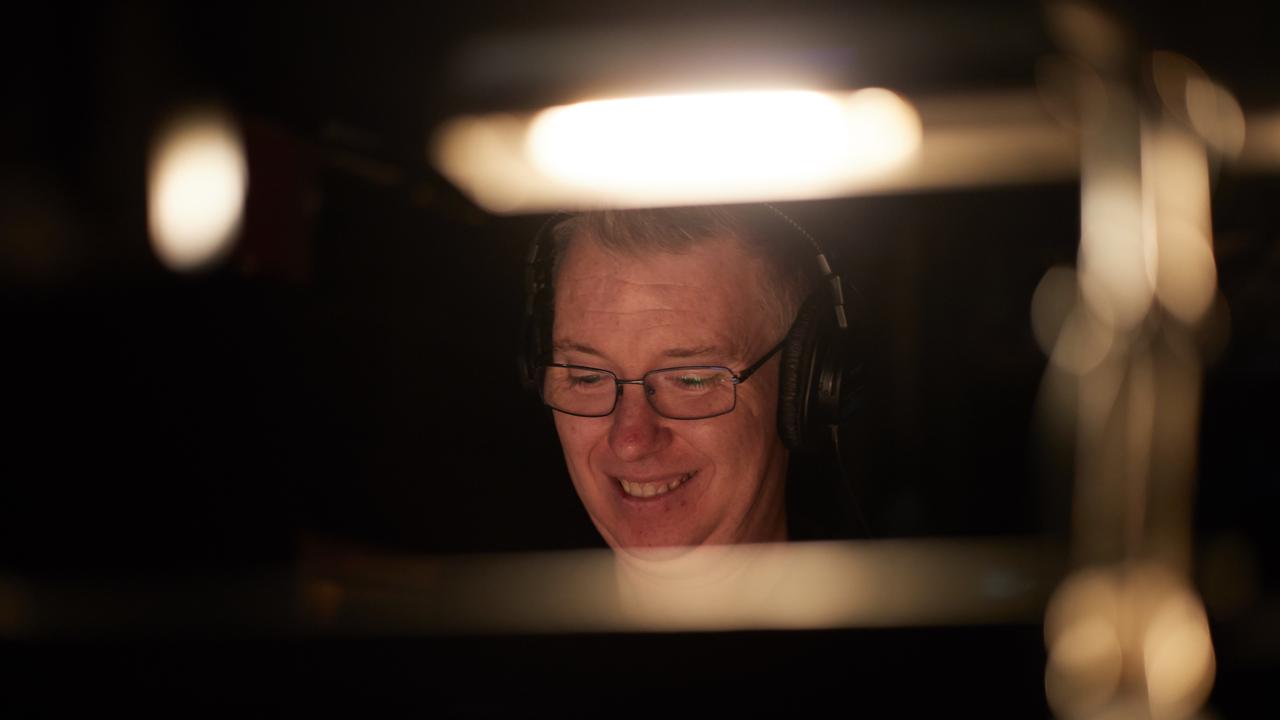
x,y
632,315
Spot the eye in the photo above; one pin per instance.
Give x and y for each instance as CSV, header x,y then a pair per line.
x,y
586,381
694,381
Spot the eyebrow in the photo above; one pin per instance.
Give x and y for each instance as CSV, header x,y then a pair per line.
x,y
678,352
577,347
691,351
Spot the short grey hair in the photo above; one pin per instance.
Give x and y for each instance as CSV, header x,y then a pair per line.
x,y
786,256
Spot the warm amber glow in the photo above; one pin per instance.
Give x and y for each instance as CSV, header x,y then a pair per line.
x,y
1262,143
1176,171
1190,96
482,156
1178,657
823,584
1171,74
1188,274
1216,115
196,188
1085,653
1114,254
1085,666
322,601
1105,626
1087,31
13,608
1073,339
1051,305
728,587
1126,635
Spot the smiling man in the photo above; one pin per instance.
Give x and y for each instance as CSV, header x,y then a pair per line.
x,y
663,371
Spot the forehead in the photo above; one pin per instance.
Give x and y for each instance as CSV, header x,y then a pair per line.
x,y
709,295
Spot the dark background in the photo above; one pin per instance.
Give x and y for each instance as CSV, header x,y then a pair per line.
x,y
349,373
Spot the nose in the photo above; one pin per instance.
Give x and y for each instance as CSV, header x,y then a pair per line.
x,y
637,430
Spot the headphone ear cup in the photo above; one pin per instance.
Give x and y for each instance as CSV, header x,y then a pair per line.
x,y
535,329
529,351
794,376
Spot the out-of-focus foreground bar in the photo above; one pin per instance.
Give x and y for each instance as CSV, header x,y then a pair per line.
x,y
732,588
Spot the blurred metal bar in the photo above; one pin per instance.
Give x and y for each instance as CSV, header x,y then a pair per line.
x,y
970,140
1127,634
793,586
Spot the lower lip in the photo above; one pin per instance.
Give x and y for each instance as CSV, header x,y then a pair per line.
x,y
653,498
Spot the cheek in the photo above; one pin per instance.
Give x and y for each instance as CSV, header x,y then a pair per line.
x,y
758,408
577,437
741,438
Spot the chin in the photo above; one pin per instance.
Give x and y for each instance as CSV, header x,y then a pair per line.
x,y
654,553
651,542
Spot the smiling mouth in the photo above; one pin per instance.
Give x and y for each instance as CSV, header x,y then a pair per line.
x,y
646,490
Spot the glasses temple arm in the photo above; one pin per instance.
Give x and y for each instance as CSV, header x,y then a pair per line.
x,y
742,376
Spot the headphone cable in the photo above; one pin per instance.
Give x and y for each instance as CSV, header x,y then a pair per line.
x,y
848,499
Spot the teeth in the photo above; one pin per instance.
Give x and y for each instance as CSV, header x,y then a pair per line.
x,y
646,490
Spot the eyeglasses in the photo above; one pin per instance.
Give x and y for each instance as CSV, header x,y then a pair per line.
x,y
689,392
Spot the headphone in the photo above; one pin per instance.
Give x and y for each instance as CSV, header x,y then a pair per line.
x,y
819,375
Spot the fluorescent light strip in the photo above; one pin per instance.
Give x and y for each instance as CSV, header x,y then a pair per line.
x,y
679,149
750,146
744,142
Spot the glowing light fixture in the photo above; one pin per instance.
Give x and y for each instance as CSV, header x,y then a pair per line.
x,y
680,149
745,141
196,187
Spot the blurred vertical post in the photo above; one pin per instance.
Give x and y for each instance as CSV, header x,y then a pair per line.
x,y
1126,632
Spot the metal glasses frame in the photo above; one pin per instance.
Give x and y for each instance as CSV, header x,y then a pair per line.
x,y
736,379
